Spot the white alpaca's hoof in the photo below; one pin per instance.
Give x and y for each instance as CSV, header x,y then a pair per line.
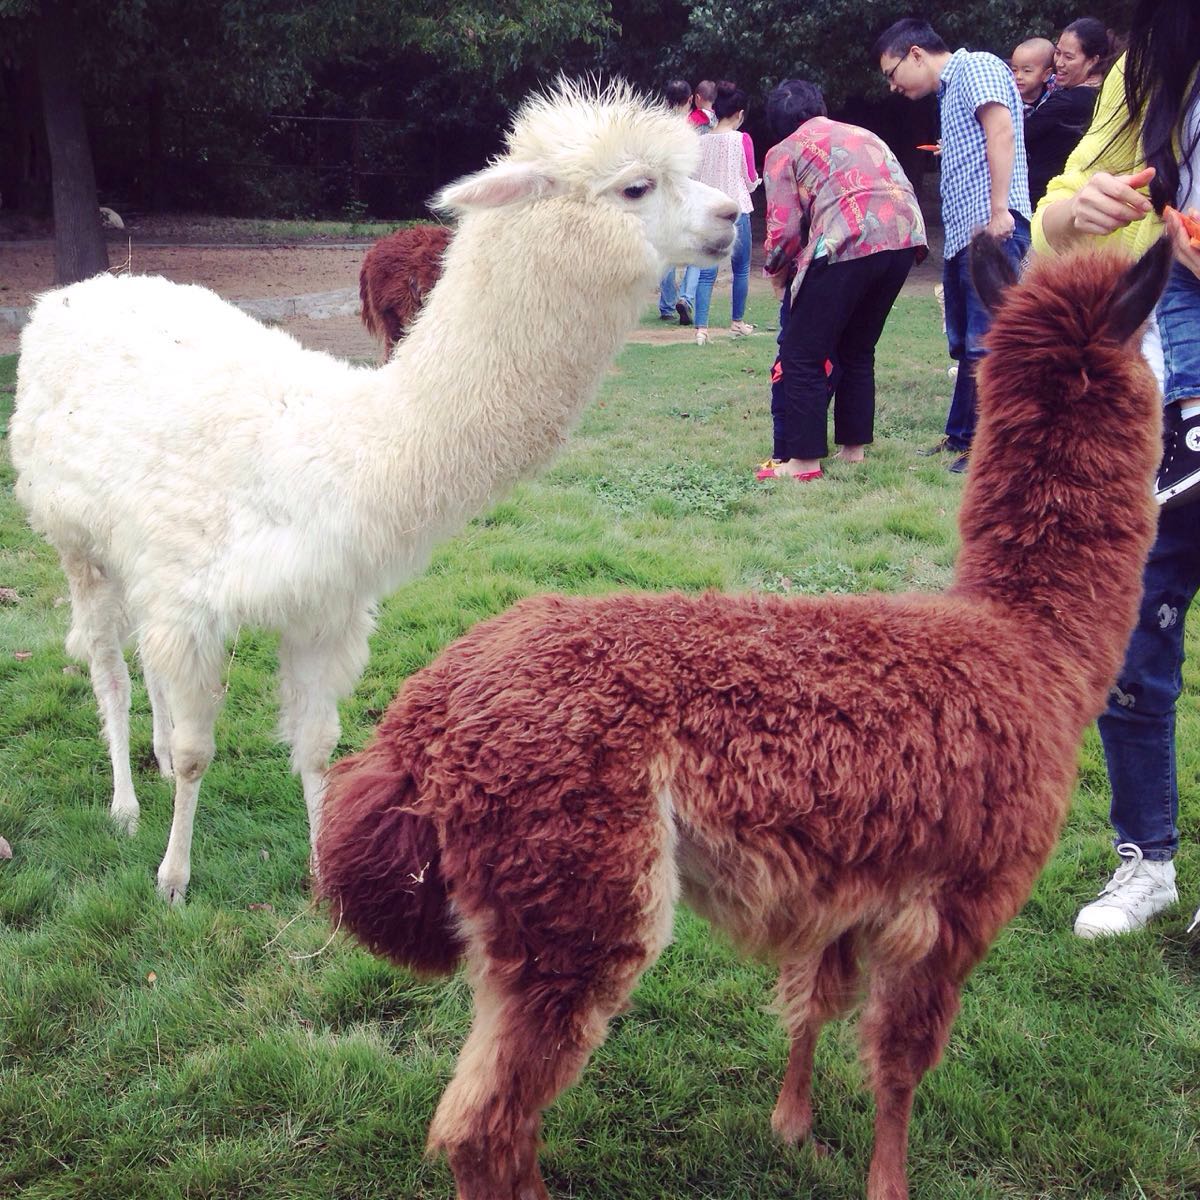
x,y
171,890
166,768
125,818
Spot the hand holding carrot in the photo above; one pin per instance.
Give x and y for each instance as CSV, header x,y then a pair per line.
x,y
1184,231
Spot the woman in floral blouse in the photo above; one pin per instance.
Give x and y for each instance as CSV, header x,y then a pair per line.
x,y
843,230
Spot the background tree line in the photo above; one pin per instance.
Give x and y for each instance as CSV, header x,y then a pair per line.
x,y
357,107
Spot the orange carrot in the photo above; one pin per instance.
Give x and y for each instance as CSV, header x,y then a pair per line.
x,y
1190,225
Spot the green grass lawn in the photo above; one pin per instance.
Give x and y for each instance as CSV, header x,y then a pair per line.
x,y
225,1050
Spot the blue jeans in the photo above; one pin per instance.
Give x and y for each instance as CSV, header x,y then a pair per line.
x,y
668,293
739,264
1179,327
1138,727
691,280
966,323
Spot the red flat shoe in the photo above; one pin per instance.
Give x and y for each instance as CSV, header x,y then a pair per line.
x,y
773,472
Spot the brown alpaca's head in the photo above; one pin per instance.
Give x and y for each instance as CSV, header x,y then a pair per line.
x,y
1063,370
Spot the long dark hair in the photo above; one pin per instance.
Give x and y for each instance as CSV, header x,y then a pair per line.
x,y
1164,51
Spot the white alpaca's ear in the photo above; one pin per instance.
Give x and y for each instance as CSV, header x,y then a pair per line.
x,y
495,186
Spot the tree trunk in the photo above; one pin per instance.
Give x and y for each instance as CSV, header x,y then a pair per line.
x,y
79,248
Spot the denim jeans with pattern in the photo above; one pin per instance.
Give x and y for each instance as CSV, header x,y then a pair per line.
x,y
1138,727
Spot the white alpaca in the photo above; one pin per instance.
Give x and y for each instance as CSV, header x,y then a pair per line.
x,y
198,472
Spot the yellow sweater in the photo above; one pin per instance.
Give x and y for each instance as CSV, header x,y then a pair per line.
x,y
1099,151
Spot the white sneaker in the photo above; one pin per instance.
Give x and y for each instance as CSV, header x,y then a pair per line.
x,y
1137,891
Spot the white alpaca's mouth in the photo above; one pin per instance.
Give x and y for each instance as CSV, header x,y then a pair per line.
x,y
719,249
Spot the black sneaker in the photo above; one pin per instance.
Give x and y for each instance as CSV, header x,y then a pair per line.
x,y
1179,474
941,446
684,309
959,465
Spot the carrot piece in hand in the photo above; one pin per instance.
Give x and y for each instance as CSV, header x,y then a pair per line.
x,y
1190,225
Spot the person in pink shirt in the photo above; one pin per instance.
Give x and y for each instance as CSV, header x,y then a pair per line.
x,y
843,230
727,163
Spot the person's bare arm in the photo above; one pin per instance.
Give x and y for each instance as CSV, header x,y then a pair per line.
x,y
1000,149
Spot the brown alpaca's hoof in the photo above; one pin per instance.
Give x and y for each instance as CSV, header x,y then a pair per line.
x,y
792,1123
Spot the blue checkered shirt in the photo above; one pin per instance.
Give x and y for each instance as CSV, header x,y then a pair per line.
x,y
968,81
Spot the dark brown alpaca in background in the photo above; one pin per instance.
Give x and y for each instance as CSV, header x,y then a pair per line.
x,y
397,274
863,788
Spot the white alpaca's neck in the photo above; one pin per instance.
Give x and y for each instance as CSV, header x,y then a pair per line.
x,y
531,308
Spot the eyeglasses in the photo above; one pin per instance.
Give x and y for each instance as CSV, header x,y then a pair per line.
x,y
887,75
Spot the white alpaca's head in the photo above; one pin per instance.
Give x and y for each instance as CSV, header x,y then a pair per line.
x,y
613,147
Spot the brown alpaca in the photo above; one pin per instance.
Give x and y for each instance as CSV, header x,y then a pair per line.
x,y
862,788
397,274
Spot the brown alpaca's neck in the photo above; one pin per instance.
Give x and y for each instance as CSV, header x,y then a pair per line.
x,y
1056,524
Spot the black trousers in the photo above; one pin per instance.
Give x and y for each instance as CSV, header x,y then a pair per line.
x,y
838,315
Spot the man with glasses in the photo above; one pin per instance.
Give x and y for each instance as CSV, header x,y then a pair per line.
x,y
984,185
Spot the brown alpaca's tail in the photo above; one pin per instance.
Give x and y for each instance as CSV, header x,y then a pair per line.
x,y
379,865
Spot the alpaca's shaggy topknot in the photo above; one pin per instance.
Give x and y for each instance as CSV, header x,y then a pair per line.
x,y
593,132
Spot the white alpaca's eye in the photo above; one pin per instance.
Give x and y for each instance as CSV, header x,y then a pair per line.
x,y
635,191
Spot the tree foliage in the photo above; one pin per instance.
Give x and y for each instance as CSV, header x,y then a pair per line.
x,y
285,107
760,42
172,83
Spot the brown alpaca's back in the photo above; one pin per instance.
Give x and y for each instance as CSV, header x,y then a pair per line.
x,y
861,788
396,275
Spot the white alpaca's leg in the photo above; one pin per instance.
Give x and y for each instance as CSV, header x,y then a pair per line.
x,y
314,674
98,629
161,716
193,697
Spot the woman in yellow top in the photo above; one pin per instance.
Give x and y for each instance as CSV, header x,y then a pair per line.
x,y
1143,139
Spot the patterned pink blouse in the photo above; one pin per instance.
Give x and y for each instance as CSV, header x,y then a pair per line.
x,y
836,189
725,164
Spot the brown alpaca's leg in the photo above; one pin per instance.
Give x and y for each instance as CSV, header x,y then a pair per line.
x,y
540,1011
811,991
524,1048
904,1029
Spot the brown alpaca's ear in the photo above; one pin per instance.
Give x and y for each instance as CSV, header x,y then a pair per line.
x,y
1138,290
991,272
